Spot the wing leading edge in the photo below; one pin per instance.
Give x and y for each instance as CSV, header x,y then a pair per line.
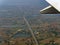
x,y
49,10
54,7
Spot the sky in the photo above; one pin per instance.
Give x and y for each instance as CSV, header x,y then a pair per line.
x,y
30,7
41,3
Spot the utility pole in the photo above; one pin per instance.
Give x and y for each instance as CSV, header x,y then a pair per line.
x,y
30,29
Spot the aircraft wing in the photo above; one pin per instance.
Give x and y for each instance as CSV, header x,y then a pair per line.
x,y
54,7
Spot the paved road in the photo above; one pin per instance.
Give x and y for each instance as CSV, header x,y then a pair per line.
x,y
31,31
